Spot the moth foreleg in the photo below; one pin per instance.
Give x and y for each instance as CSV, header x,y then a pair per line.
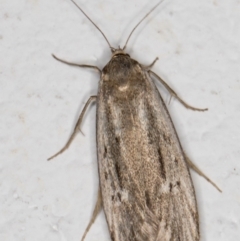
x,y
199,172
147,67
173,93
76,128
97,209
77,65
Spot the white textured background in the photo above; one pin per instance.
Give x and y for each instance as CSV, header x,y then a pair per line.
x,y
198,45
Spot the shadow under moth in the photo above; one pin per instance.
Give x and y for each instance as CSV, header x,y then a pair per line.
x,y
146,189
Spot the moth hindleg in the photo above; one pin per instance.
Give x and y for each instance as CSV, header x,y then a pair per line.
x,y
199,172
97,209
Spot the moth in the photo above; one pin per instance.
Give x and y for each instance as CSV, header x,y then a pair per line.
x,y
146,189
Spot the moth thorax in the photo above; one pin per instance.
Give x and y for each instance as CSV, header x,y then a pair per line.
x,y
119,71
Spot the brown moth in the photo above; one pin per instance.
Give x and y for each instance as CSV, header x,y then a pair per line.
x,y
145,186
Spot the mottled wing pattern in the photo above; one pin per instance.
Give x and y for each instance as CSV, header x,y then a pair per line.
x,y
145,183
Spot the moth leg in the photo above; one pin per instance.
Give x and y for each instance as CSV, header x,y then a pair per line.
x,y
78,65
147,67
76,128
174,93
97,209
199,172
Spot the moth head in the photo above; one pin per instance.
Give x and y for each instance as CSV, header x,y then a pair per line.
x,y
118,51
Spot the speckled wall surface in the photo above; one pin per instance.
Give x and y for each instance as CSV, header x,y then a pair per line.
x,y
198,45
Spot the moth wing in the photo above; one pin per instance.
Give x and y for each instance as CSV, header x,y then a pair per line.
x,y
146,187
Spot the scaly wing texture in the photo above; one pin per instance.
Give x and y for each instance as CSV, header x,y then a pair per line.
x,y
145,183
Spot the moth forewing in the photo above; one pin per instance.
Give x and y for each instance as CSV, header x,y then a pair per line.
x,y
144,179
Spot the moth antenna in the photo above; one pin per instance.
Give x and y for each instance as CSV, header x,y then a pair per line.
x,y
141,21
93,24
